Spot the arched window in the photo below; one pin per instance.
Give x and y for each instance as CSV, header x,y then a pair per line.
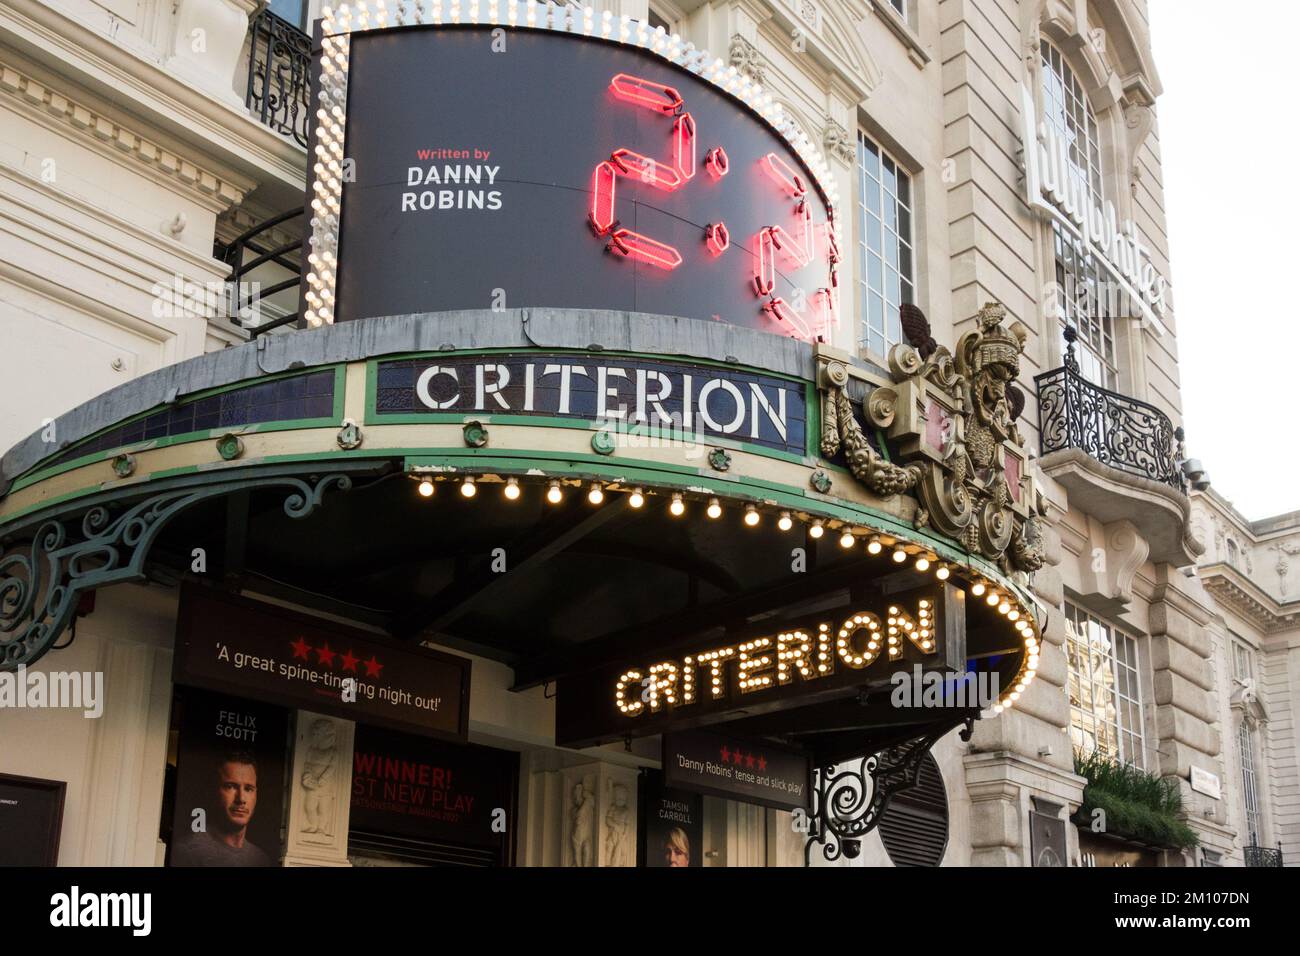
x,y
1084,298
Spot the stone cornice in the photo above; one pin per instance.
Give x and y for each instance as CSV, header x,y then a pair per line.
x,y
97,63
1233,589
105,135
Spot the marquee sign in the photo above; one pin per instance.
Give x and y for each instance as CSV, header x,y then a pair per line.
x,y
641,180
821,658
681,397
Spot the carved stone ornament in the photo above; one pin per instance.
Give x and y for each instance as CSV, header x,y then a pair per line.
x,y
476,435
349,436
945,431
839,142
747,60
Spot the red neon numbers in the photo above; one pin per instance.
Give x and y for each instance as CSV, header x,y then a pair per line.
x,y
796,249
627,162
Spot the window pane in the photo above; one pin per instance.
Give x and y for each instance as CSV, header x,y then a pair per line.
x,y
887,262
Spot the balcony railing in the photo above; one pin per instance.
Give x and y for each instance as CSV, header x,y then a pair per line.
x,y
1262,855
266,265
279,75
1116,430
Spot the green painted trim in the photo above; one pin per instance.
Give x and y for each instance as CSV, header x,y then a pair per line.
x,y
813,421
589,426
564,464
336,417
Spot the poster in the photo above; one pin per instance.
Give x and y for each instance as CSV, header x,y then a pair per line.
x,y
31,816
751,771
259,650
672,825
230,791
423,789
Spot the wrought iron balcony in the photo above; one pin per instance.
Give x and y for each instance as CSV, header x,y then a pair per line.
x,y
1114,429
266,263
1262,855
279,75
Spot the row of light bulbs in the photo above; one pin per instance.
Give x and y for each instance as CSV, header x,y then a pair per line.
x,y
1000,600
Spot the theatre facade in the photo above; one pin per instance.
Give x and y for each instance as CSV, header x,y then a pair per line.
x,y
599,451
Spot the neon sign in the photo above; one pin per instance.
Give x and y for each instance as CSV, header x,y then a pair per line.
x,y
808,317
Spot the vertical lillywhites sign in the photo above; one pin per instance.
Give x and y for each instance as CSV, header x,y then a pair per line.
x,y
1118,247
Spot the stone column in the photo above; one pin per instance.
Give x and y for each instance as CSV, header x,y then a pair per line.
x,y
1183,690
1025,752
320,792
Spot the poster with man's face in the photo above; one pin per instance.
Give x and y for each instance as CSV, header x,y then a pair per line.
x,y
672,825
229,781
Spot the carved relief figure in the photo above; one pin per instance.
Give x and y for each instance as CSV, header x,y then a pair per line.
x,y
1283,566
617,820
317,778
582,823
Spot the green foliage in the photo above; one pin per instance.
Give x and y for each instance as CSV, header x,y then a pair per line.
x,y
1138,805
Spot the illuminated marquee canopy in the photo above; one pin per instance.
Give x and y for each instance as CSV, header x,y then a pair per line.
x,y
642,176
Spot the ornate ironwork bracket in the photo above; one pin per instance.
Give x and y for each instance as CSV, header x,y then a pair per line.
x,y
40,586
849,799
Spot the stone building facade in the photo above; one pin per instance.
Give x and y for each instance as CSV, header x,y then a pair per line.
x,y
142,141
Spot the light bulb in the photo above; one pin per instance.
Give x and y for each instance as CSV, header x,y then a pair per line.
x,y
846,539
714,510
467,487
751,515
637,499
678,507
923,563
595,495
554,495
943,572
512,488
426,488
817,530
900,556
874,546
785,522
992,598
977,588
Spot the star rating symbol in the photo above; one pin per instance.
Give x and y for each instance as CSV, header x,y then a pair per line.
x,y
349,661
300,649
749,760
762,762
373,667
726,754
325,655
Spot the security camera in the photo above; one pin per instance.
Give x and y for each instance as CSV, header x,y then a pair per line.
x,y
852,849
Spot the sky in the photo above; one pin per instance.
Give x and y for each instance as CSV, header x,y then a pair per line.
x,y
1231,163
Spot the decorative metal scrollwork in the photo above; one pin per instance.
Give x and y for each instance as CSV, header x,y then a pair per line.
x,y
1114,429
849,799
40,586
279,75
